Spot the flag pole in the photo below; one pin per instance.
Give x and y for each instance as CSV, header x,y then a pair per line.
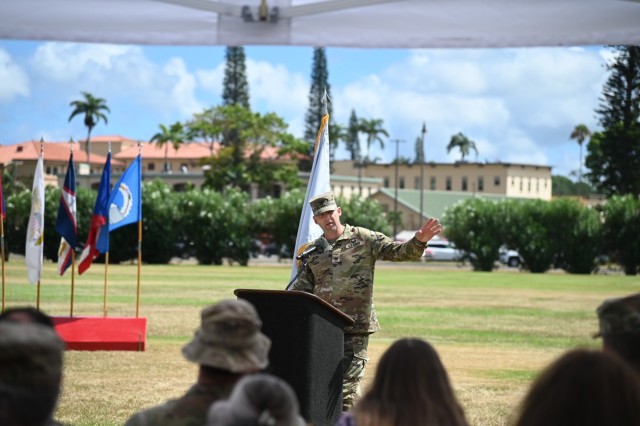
x,y
2,250
139,230
106,274
38,294
73,280
106,264
73,259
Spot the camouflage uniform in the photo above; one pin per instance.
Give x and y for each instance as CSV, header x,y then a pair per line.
x,y
190,410
228,339
343,277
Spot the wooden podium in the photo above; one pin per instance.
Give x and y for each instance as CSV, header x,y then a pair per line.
x,y
307,348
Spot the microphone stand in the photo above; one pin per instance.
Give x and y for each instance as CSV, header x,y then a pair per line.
x,y
305,260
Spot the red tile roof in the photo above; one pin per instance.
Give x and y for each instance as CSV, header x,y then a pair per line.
x,y
188,151
53,151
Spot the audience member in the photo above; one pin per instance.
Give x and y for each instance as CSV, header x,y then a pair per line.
x,y
26,314
31,361
258,400
620,328
411,387
227,346
583,388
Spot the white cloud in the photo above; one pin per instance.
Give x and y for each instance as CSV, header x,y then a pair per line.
x,y
14,79
514,103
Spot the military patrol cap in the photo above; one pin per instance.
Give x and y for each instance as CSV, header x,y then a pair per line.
x,y
31,356
323,203
619,316
229,338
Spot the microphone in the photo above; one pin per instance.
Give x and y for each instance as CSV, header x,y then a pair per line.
x,y
314,248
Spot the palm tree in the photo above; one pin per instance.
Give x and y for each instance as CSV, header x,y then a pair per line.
x,y
373,129
580,133
463,143
93,109
337,133
174,135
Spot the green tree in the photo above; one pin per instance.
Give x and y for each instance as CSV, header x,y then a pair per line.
x,y
173,135
475,226
352,143
580,133
613,155
374,131
463,143
93,110
235,86
205,126
243,160
562,185
319,84
620,231
337,134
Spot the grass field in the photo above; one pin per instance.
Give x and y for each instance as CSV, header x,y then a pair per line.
x,y
494,331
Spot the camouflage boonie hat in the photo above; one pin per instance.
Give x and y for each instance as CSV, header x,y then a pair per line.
x,y
31,356
323,203
619,316
229,338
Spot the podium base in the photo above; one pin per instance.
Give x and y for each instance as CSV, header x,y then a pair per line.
x,y
102,333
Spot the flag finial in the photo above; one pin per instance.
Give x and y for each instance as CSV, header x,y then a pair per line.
x,y
326,100
71,142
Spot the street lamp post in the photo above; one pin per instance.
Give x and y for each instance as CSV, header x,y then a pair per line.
x,y
395,198
424,132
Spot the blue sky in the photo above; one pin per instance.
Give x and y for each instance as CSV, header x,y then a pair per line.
x,y
517,105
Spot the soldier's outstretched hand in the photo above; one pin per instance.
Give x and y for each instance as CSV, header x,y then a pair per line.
x,y
430,229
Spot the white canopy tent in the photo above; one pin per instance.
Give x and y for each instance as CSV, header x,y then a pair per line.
x,y
347,23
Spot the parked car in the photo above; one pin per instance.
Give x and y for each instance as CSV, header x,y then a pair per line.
x,y
510,257
441,249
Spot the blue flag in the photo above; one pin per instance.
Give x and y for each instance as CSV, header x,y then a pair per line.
x,y
99,227
125,203
66,224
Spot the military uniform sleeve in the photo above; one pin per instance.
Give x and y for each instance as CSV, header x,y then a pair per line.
x,y
305,281
385,248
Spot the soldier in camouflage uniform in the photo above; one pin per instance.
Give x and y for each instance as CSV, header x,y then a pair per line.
x,y
31,362
619,320
227,346
342,275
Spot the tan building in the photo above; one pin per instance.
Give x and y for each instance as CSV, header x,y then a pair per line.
x,y
506,179
184,165
20,161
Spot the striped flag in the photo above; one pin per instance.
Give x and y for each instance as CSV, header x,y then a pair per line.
x,y
66,224
98,219
35,230
319,182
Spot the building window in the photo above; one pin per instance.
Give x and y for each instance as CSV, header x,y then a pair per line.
x,y
537,185
465,183
529,185
417,183
432,183
48,171
521,186
513,181
448,183
496,181
401,184
480,183
386,182
151,167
